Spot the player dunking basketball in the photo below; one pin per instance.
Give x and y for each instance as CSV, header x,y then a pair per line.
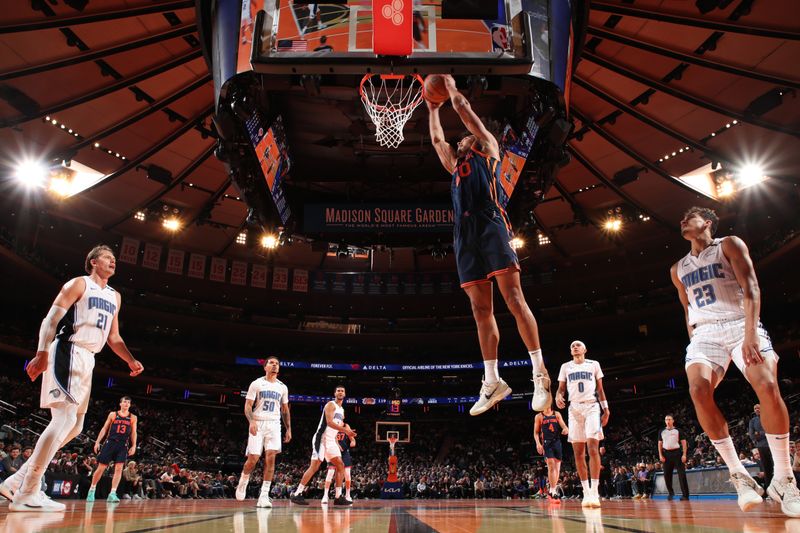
x,y
267,401
717,286
325,448
120,430
548,426
82,319
482,242
583,379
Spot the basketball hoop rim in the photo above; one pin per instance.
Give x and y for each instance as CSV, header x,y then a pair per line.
x,y
411,105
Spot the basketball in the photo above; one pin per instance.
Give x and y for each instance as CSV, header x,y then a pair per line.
x,y
435,91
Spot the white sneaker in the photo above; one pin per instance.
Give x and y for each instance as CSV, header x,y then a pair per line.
x,y
324,501
6,492
264,501
591,501
541,392
241,491
35,503
750,493
490,394
785,491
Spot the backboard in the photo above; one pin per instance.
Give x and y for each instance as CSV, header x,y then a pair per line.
x,y
385,429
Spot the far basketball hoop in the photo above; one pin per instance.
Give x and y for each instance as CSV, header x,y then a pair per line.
x,y
390,100
393,437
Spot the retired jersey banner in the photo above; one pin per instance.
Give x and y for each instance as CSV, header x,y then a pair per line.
x,y
280,279
258,276
152,256
239,273
175,261
300,280
197,266
364,218
218,266
129,251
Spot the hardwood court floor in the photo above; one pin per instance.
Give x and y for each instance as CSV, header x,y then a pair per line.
x,y
416,516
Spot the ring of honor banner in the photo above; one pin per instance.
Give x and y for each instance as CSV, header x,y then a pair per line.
x,y
218,266
197,266
129,251
258,276
280,279
175,261
239,273
152,256
300,280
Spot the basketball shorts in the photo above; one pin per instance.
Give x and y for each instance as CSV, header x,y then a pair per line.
x,y
68,377
346,459
584,422
552,450
113,451
325,448
482,244
268,437
717,343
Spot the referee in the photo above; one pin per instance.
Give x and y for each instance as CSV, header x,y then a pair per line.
x,y
672,453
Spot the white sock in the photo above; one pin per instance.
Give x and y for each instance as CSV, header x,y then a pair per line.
x,y
338,492
265,486
490,371
300,489
347,493
329,476
537,362
779,446
727,451
93,487
596,486
586,488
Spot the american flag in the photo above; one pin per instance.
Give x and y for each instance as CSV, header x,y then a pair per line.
x,y
292,45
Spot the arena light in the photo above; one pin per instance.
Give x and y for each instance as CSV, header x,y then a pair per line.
x,y
517,243
140,216
543,239
269,241
613,224
60,187
31,174
725,188
241,238
172,223
750,174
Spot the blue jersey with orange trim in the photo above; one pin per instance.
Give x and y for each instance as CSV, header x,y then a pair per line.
x,y
474,185
551,429
344,441
120,430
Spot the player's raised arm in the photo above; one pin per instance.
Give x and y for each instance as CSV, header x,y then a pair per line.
x,y
118,346
472,122
736,252
66,298
673,272
443,149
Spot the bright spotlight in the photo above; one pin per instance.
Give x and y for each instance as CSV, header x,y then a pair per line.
x,y
613,224
517,243
172,224
725,189
269,241
751,174
60,186
31,174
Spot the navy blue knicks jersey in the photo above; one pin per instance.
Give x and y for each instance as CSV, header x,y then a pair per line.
x,y
120,430
551,429
344,442
474,185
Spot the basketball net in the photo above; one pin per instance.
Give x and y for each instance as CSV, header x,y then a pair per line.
x,y
392,442
390,100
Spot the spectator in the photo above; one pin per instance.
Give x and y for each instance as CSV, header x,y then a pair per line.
x,y
133,482
479,489
759,438
323,45
13,461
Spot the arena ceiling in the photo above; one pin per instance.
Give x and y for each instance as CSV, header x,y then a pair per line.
x,y
661,90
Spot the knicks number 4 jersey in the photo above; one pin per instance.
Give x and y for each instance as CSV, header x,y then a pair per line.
x,y
711,286
88,322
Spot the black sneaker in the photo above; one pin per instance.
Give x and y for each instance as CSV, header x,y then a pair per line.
x,y
670,497
341,500
299,500
684,498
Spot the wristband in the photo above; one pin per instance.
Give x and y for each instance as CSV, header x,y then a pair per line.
x,y
604,404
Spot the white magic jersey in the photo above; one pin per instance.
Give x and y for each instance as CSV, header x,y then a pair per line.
x,y
323,429
711,286
581,379
268,397
88,321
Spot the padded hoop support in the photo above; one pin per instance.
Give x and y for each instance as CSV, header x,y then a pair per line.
x,y
392,33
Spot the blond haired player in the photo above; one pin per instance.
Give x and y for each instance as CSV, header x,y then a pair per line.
x,y
582,379
82,319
